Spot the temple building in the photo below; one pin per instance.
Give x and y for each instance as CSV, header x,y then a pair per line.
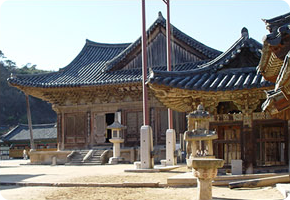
x,y
232,90
274,66
18,138
106,78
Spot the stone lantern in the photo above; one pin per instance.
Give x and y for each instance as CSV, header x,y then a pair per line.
x,y
199,137
200,152
116,139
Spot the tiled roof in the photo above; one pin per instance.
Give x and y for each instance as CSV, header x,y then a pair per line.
x,y
276,46
40,131
277,24
91,66
85,69
208,52
216,75
68,78
208,80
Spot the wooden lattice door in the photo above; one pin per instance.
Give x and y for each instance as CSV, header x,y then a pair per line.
x,y
228,144
270,144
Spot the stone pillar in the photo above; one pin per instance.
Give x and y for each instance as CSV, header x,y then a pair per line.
x,y
209,147
205,170
204,188
146,147
170,147
116,150
193,148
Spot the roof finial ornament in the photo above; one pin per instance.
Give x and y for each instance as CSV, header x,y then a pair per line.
x,y
160,14
245,32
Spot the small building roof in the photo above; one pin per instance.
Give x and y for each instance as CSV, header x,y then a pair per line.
x,y
40,132
234,69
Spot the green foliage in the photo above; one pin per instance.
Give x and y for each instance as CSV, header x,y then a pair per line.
x,y
12,100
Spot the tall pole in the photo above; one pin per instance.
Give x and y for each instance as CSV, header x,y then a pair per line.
x,y
168,44
29,123
144,67
171,159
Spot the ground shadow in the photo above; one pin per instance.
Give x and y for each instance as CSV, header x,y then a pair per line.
x,y
224,198
16,177
9,166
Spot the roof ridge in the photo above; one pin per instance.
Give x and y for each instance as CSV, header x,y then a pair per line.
x,y
278,19
101,44
232,51
198,71
38,125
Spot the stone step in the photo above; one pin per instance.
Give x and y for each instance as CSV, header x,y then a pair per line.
x,y
80,154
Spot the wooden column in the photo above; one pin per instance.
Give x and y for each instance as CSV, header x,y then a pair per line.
x,y
288,132
88,136
92,130
248,141
62,131
59,127
32,147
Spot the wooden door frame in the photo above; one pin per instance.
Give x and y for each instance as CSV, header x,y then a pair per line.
x,y
235,123
284,123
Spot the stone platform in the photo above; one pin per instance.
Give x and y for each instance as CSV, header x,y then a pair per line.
x,y
187,179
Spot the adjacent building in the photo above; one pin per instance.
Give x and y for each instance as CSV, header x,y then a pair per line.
x,y
18,139
275,66
232,90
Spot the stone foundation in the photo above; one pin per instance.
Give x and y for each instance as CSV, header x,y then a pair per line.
x,y
46,157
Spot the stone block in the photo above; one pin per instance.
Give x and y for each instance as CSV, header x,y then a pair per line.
x,y
237,167
170,147
146,147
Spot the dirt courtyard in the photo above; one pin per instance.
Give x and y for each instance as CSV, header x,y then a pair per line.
x,y
12,170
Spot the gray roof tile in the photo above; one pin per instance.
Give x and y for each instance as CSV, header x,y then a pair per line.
x,y
40,131
218,74
92,65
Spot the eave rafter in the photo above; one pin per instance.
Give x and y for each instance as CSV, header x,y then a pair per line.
x,y
187,100
85,95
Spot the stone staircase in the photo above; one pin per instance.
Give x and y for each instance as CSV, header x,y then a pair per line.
x,y
77,157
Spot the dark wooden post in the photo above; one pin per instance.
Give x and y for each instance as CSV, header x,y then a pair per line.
x,y
144,67
32,147
62,130
168,49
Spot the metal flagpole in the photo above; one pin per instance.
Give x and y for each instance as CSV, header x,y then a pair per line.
x,y
171,159
168,44
144,67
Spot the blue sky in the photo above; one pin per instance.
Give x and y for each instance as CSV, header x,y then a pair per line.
x,y
51,33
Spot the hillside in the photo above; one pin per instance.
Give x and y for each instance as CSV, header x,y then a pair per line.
x,y
13,103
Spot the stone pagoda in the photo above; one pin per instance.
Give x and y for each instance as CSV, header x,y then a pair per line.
x,y
199,137
200,152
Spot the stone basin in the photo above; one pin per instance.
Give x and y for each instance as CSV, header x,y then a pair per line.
x,y
205,163
116,140
205,170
